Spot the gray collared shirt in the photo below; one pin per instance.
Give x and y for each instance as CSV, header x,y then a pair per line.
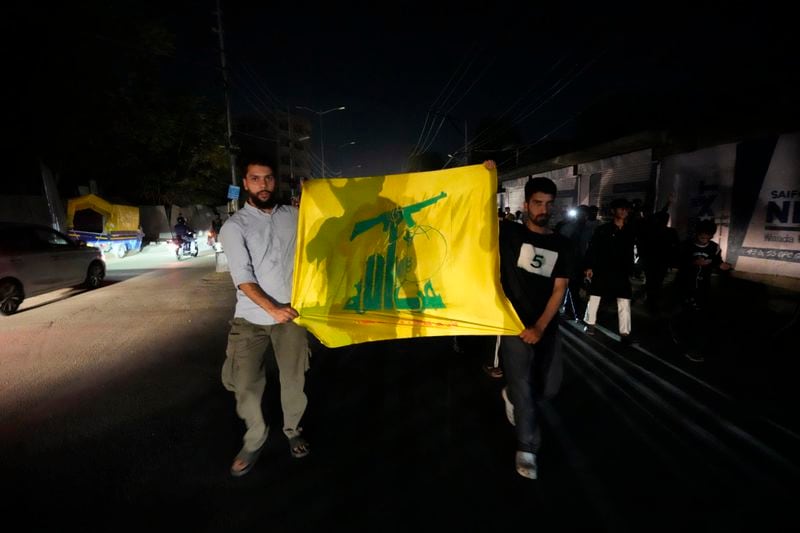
x,y
260,247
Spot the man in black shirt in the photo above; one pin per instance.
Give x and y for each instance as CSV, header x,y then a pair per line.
x,y
699,257
182,229
578,231
658,249
609,265
535,264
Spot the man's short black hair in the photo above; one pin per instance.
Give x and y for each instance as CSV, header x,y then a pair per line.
x,y
539,184
706,227
255,159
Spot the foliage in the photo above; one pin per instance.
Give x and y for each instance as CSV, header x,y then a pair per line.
x,y
107,100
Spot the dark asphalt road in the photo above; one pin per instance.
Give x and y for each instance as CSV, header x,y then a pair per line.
x,y
411,435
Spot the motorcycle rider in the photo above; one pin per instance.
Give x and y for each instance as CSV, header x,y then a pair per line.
x,y
183,232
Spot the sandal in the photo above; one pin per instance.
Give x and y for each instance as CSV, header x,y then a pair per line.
x,y
247,458
299,447
494,372
526,465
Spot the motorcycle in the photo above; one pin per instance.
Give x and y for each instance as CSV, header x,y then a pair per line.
x,y
185,246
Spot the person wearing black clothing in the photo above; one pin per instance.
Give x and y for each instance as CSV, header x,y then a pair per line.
x,y
579,232
698,259
535,264
609,264
658,250
182,230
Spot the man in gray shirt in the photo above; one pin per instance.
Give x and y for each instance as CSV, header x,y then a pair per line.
x,y
259,242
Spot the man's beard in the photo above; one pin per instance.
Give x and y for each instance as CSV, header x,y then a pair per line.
x,y
541,220
269,203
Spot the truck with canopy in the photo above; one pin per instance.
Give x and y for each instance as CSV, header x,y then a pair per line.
x,y
114,228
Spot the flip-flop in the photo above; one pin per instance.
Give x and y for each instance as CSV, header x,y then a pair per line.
x,y
526,465
494,372
248,458
298,447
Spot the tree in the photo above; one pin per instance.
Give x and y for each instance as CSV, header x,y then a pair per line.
x,y
103,98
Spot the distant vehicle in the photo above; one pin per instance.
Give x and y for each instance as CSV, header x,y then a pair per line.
x,y
114,228
36,259
185,246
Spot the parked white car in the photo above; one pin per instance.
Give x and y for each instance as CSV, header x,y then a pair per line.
x,y
36,259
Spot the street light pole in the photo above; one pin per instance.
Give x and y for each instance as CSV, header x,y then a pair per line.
x,y
291,149
233,205
321,132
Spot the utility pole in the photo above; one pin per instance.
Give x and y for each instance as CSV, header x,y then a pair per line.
x,y
233,205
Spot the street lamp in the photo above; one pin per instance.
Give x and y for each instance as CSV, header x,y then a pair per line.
x,y
291,159
295,189
321,135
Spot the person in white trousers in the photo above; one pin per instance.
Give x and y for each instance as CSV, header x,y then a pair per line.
x,y
609,262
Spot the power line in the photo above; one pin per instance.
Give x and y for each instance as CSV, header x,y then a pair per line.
x,y
266,113
447,112
560,89
500,129
425,134
262,86
543,137
554,90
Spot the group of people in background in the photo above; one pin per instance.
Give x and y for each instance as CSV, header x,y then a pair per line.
x,y
631,245
506,214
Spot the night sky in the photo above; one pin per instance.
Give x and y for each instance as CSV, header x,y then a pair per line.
x,y
557,73
549,70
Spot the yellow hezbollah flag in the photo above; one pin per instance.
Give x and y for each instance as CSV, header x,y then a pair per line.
x,y
406,255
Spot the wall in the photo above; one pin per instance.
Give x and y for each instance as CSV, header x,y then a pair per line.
x,y
751,189
765,239
592,183
154,222
622,176
699,184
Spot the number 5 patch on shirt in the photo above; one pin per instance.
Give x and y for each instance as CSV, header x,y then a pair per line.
x,y
537,260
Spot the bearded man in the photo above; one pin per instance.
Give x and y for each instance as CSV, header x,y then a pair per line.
x,y
535,265
259,243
